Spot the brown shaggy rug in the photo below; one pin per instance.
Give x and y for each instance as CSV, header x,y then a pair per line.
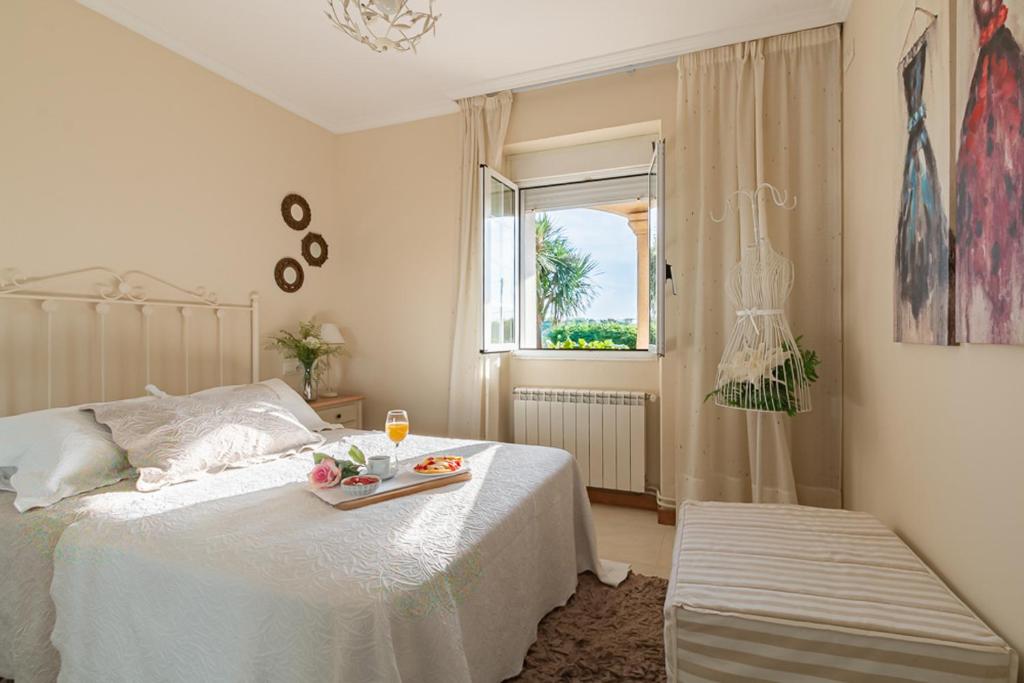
x,y
602,634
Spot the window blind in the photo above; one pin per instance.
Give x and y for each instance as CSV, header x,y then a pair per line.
x,y
586,193
605,159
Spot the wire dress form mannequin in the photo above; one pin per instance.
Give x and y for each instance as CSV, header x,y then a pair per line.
x,y
761,370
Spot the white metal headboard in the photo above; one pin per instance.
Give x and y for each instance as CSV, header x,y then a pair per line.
x,y
127,288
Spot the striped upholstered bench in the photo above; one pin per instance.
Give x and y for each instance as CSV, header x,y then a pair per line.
x,y
795,594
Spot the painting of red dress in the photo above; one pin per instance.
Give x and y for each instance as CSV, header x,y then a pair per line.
x,y
990,173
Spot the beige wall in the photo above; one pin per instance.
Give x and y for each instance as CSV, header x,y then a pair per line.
x,y
398,191
595,103
118,152
932,437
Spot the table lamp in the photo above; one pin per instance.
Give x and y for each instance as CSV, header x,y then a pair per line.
x,y
330,334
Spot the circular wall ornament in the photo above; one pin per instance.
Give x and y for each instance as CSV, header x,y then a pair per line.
x,y
288,205
288,274
314,249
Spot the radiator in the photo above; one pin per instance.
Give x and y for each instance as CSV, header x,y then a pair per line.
x,y
603,430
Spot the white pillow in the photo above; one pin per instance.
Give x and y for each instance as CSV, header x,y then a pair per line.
x,y
183,438
49,455
279,392
291,400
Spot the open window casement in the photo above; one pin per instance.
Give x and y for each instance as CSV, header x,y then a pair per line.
x,y
500,251
656,245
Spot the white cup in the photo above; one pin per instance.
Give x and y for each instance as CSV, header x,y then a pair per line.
x,y
380,465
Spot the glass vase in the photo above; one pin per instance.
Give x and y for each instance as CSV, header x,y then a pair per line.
x,y
308,383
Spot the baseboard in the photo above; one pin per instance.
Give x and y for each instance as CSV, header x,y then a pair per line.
x,y
667,516
624,499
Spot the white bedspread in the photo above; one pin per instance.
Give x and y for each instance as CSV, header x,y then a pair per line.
x,y
28,541
256,579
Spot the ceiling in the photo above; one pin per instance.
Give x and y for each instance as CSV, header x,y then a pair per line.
x,y
287,52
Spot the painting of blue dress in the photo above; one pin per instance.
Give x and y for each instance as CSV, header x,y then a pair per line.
x,y
922,312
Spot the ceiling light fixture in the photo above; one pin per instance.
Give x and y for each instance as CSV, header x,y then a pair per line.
x,y
382,25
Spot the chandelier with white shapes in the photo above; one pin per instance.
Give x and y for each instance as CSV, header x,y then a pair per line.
x,y
382,25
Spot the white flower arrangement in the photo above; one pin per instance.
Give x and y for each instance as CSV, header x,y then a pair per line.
x,y
307,346
753,364
756,378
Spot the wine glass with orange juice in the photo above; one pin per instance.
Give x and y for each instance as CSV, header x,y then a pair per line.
x,y
396,426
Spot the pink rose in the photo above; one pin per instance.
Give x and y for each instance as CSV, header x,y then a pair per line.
x,y
325,475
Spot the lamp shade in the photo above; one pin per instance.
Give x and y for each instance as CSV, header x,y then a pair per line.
x,y
330,333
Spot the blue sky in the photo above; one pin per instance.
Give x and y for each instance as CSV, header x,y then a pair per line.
x,y
610,242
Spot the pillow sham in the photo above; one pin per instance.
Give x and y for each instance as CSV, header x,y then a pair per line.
x,y
49,455
276,391
183,438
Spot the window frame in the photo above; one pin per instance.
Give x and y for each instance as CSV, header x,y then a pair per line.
x,y
658,168
488,174
655,351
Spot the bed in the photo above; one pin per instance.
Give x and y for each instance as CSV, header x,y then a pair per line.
x,y
791,593
247,575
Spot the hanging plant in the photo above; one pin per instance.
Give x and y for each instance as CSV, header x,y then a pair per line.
x,y
762,380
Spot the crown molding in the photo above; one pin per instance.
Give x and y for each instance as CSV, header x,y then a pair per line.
x,y
832,12
113,11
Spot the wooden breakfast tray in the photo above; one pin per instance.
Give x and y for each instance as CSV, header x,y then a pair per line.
x,y
425,485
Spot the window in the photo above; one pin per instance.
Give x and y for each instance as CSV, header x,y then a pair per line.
x,y
574,265
500,228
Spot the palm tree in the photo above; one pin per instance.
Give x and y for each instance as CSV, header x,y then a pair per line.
x,y
565,285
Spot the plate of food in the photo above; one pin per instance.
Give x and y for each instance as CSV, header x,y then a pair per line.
x,y
439,465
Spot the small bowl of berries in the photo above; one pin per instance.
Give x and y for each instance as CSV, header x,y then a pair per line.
x,y
360,484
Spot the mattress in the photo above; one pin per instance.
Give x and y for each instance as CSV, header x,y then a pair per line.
x,y
792,594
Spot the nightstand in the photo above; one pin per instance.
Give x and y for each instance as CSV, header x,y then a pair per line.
x,y
343,410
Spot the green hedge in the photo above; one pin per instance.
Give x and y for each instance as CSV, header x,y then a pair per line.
x,y
584,344
617,335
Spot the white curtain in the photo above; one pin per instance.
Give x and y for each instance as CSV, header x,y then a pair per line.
x,y
475,394
763,111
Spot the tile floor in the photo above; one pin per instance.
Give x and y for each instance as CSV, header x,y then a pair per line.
x,y
634,536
